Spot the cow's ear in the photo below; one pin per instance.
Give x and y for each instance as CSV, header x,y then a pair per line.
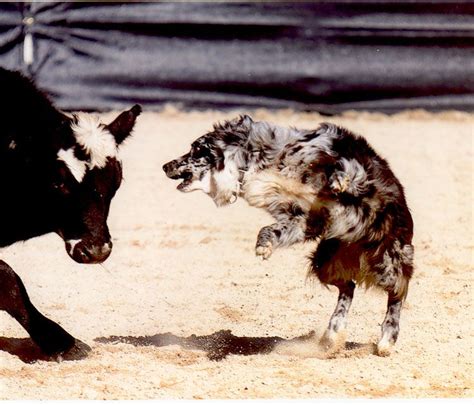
x,y
122,126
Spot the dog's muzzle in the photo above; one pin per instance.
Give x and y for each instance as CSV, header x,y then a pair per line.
x,y
174,171
171,170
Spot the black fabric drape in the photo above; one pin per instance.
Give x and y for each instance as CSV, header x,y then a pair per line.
x,y
327,56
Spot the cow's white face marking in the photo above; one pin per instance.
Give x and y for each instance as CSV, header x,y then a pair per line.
x,y
92,136
77,167
71,244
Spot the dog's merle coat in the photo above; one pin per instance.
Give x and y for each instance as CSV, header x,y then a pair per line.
x,y
57,174
326,185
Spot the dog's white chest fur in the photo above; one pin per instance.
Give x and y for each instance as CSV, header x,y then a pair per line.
x,y
268,189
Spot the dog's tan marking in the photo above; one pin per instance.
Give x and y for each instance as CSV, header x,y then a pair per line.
x,y
340,183
267,187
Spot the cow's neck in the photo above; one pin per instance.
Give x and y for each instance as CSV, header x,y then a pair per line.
x,y
26,209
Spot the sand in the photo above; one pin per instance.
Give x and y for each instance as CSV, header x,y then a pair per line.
x,y
183,273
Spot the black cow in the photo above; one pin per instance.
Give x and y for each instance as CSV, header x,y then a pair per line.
x,y
57,174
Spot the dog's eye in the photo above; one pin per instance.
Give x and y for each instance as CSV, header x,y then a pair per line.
x,y
199,151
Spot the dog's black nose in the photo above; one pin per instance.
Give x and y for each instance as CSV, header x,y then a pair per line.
x,y
171,170
167,167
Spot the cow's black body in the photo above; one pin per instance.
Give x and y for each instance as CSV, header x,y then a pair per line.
x,y
29,130
41,193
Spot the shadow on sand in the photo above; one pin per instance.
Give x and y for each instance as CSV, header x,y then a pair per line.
x,y
218,345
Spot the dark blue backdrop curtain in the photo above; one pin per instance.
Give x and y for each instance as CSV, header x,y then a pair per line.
x,y
327,56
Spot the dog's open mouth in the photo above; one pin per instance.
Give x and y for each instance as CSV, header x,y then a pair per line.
x,y
187,180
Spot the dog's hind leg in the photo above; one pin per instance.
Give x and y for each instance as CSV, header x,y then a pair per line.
x,y
392,274
333,264
351,178
334,334
48,335
390,326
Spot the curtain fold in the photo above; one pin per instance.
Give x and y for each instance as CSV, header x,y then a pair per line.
x,y
326,56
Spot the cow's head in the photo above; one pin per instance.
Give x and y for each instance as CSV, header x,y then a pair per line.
x,y
88,173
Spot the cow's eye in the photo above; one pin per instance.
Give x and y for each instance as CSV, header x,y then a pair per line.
x,y
98,193
61,188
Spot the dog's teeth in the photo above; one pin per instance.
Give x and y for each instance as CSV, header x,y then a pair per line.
x,y
182,185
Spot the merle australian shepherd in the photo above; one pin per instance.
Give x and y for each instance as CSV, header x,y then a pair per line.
x,y
325,185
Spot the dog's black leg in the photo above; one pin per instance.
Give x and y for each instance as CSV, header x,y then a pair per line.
x,y
48,335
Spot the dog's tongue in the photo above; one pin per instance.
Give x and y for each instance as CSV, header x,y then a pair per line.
x,y
183,184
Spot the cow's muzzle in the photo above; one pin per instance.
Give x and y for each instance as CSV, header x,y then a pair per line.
x,y
88,253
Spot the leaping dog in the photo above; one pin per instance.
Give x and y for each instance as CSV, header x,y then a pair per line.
x,y
327,185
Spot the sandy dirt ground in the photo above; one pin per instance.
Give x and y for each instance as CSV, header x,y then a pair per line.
x,y
184,309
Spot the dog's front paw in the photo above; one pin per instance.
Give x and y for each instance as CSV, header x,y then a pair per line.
x,y
339,182
264,250
264,246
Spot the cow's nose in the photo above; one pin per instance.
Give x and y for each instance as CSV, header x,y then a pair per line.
x,y
98,254
84,253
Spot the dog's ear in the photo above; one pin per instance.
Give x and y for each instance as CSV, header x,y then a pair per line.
x,y
245,120
218,156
